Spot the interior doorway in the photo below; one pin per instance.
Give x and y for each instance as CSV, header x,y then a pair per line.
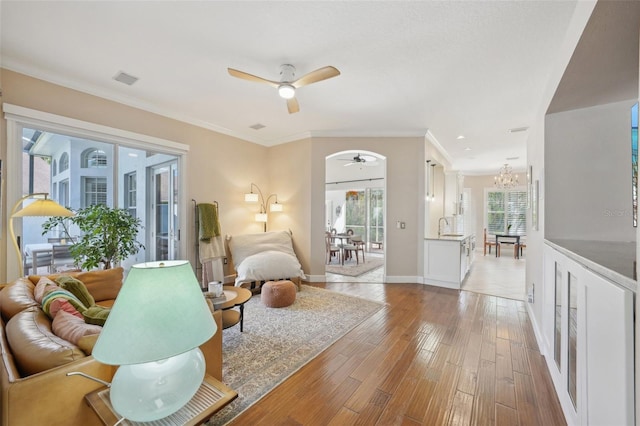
x,y
355,209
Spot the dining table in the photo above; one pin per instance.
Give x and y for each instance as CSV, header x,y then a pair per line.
x,y
509,237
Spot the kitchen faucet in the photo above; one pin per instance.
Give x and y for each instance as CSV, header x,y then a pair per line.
x,y
440,225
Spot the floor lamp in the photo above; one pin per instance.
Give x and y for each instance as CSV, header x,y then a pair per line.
x,y
40,207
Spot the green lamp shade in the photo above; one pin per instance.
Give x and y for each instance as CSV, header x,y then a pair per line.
x,y
160,312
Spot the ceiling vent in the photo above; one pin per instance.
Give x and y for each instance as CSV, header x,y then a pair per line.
x,y
518,129
258,126
125,78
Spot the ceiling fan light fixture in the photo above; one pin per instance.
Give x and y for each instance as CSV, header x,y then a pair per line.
x,y
286,91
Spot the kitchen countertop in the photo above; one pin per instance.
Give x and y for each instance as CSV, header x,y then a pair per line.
x,y
613,260
450,237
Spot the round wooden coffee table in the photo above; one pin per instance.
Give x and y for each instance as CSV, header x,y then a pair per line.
x,y
236,296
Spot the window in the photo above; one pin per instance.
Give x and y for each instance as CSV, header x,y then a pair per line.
x,y
64,162
94,190
506,211
131,193
94,159
364,213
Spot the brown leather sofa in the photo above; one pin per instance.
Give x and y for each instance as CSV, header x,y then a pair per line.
x,y
34,386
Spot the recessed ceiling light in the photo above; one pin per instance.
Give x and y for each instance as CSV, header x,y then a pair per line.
x,y
460,137
258,126
467,149
518,129
125,78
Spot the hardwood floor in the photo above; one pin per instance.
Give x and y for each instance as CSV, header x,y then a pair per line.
x,y
432,356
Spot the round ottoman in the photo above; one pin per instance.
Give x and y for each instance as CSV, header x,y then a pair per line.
x,y
278,294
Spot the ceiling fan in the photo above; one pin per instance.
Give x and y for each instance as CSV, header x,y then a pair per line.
x,y
367,160
287,85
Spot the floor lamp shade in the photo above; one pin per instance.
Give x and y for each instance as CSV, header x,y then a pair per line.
x,y
153,331
40,207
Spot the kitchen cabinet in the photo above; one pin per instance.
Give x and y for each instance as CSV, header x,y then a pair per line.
x,y
447,259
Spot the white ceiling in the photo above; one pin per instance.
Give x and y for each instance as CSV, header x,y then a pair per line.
x,y
476,68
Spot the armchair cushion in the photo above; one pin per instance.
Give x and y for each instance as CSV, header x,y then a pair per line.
x,y
269,265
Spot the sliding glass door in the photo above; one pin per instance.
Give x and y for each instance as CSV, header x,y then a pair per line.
x,y
78,172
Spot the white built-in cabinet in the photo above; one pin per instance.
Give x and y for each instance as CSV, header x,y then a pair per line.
x,y
589,341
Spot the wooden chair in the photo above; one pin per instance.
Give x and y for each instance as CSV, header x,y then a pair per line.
x,y
517,247
490,244
357,241
331,249
350,248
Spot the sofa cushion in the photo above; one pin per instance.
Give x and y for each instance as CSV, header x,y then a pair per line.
x,y
78,289
72,328
34,345
103,284
16,297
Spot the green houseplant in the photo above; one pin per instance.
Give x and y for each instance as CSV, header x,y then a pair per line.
x,y
108,235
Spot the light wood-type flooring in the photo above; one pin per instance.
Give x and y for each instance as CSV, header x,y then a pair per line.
x,y
432,356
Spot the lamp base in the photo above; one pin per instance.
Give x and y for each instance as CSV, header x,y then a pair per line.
x,y
153,390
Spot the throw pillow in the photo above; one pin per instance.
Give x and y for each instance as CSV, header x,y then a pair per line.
x,y
59,304
96,315
57,292
72,328
86,343
78,289
42,287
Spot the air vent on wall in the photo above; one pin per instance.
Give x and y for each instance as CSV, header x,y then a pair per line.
x,y
125,78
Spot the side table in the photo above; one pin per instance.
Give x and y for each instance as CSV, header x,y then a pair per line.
x,y
210,398
236,296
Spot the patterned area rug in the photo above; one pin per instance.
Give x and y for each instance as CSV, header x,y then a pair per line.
x,y
353,270
277,342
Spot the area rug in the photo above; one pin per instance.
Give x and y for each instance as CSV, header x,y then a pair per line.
x,y
353,270
277,342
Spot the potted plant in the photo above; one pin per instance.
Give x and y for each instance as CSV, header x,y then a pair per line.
x,y
108,235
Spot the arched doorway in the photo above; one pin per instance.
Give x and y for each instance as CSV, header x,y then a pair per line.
x,y
355,204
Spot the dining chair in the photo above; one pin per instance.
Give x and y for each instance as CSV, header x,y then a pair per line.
x,y
357,241
62,259
488,243
331,249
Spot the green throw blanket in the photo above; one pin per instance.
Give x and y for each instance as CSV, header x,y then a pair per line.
x,y
209,223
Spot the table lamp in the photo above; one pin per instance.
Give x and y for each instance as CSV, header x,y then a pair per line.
x,y
40,207
153,332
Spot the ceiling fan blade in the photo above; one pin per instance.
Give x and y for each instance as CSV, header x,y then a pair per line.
x,y
315,76
246,76
292,105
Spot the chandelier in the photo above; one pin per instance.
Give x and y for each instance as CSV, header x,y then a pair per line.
x,y
505,178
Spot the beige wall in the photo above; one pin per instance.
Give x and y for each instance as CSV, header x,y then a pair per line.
x,y
405,201
222,168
